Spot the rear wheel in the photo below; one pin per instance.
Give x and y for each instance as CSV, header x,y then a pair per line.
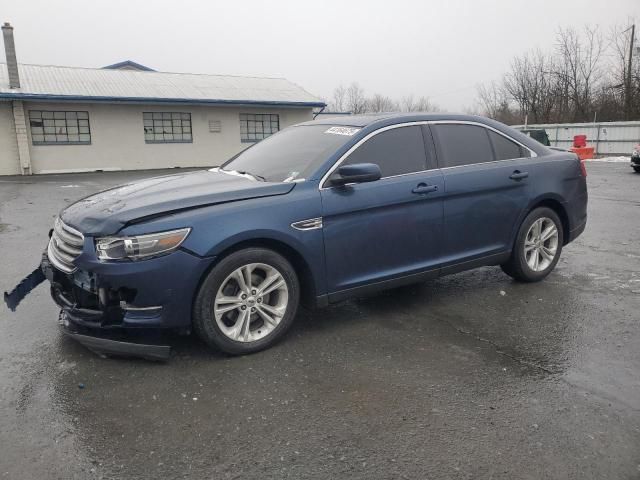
x,y
537,248
247,302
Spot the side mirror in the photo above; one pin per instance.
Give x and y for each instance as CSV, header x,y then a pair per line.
x,y
356,173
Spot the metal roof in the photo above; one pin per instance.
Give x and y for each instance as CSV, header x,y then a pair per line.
x,y
131,64
44,82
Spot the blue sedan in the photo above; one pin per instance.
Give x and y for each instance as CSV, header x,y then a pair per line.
x,y
317,213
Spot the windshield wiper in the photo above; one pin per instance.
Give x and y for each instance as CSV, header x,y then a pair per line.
x,y
259,177
243,172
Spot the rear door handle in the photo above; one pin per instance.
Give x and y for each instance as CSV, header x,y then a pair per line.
x,y
518,175
423,188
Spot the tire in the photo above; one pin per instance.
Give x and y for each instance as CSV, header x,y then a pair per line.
x,y
223,305
523,266
637,169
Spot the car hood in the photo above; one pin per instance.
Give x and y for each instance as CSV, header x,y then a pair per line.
x,y
105,213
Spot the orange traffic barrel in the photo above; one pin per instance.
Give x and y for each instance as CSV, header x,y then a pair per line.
x,y
584,153
580,141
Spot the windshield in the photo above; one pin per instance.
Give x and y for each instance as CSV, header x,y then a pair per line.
x,y
292,154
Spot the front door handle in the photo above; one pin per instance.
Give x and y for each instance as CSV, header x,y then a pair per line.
x,y
423,188
518,175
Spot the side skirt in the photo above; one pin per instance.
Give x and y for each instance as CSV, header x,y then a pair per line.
x,y
383,285
494,259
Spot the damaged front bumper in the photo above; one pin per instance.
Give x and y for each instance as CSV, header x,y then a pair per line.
x,y
151,294
114,343
121,309
124,309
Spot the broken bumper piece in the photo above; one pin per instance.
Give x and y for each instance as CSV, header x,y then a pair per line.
x,y
31,281
111,343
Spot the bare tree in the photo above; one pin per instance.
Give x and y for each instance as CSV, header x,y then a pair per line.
x,y
529,83
473,110
491,98
380,103
423,104
579,79
575,83
337,103
621,94
356,101
577,69
494,102
407,104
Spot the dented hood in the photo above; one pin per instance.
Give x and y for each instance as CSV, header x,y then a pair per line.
x,y
107,212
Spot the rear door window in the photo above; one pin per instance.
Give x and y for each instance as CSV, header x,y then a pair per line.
x,y
506,149
396,151
460,144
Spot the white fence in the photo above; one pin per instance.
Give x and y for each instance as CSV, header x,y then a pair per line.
x,y
608,138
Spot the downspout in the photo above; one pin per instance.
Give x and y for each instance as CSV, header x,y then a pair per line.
x,y
22,137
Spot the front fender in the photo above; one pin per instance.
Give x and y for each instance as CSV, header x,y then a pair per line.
x,y
220,227
306,245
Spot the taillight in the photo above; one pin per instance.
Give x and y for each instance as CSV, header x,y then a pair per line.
x,y
583,168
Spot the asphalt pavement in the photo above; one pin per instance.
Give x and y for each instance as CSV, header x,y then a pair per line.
x,y
468,376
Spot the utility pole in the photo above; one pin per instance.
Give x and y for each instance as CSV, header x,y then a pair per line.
x,y
628,89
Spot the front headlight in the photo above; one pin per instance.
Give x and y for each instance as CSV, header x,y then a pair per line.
x,y
140,246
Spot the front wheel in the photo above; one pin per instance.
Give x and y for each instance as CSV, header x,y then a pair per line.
x,y
537,248
247,302
637,169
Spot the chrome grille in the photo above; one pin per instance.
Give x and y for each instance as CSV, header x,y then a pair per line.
x,y
65,246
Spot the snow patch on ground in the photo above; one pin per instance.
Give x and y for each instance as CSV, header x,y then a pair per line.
x,y
611,159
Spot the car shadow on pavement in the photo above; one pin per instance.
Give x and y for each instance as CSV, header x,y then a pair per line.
x,y
467,305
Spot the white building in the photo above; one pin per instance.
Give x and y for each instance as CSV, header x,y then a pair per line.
x,y
126,116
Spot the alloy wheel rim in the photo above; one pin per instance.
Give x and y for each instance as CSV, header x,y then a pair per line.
x,y
541,244
251,302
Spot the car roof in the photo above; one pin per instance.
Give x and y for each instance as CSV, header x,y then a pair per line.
x,y
391,118
379,120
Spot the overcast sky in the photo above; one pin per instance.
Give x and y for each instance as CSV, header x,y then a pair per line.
x,y
440,49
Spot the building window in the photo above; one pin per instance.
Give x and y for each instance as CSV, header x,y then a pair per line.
x,y
167,127
255,127
59,128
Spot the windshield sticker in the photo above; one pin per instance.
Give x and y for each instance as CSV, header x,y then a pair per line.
x,y
348,131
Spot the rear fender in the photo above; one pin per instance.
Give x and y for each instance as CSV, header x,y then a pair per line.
x,y
551,200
